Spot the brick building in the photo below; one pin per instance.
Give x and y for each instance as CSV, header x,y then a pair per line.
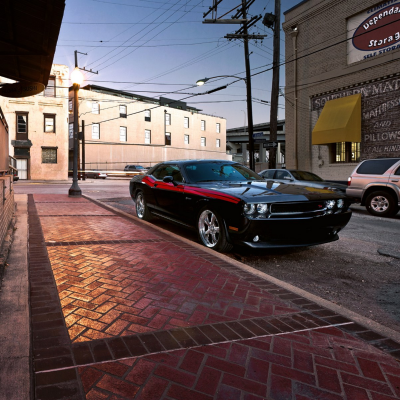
x,y
125,128
38,128
342,84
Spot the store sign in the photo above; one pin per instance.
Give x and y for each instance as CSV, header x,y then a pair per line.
x,y
374,31
21,89
380,116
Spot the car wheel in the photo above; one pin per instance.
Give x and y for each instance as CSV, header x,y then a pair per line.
x,y
381,203
211,231
142,211
95,176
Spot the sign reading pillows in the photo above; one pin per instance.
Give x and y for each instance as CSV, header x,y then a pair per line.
x,y
374,31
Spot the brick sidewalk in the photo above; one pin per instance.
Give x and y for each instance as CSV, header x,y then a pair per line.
x,y
121,310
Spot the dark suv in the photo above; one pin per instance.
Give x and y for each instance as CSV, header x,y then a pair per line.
x,y
376,185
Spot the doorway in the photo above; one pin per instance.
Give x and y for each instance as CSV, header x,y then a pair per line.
x,y
22,166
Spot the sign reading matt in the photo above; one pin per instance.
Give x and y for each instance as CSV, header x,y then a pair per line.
x,y
374,31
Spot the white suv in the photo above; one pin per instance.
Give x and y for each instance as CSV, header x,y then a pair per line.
x,y
376,185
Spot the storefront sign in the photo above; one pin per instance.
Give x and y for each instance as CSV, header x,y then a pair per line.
x,y
374,31
380,116
21,89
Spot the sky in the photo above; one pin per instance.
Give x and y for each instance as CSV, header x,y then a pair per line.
x,y
161,48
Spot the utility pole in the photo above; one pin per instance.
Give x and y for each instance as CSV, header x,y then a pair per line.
x,y
242,33
273,134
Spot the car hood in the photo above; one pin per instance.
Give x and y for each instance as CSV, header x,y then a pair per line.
x,y
269,191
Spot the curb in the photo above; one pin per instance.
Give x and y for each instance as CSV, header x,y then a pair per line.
x,y
375,326
389,252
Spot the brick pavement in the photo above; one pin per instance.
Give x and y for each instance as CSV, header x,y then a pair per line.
x,y
121,310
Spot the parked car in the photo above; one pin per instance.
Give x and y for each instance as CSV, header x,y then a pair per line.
x,y
96,174
297,177
135,168
228,204
375,184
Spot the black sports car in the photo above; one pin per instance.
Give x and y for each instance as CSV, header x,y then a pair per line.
x,y
229,204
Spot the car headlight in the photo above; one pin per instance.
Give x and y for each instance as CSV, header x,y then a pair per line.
x,y
340,203
249,208
330,203
262,208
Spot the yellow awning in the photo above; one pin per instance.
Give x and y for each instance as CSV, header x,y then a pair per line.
x,y
340,121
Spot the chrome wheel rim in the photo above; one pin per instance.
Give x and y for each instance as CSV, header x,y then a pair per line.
x,y
379,204
140,205
209,228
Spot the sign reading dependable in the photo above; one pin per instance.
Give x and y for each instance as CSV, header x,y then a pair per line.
x,y
374,31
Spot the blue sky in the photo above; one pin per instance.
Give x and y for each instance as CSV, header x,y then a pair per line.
x,y
155,47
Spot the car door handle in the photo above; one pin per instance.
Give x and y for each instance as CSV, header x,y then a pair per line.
x,y
155,185
395,180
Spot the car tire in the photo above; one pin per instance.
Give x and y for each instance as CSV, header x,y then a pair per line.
x,y
211,230
95,176
142,211
382,204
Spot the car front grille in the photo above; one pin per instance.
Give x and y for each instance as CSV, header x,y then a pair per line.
x,y
282,210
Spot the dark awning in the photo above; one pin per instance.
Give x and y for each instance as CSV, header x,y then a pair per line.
x,y
29,32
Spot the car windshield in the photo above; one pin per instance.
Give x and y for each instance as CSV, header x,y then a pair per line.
x,y
306,176
219,171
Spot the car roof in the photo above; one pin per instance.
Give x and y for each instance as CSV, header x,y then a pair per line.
x,y
197,161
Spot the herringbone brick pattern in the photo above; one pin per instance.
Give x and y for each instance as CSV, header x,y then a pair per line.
x,y
325,364
123,289
70,209
64,229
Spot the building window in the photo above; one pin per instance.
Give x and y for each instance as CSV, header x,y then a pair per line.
x,y
218,142
122,134
50,90
147,115
96,131
22,126
186,122
71,131
70,104
186,139
50,123
122,111
167,138
147,136
203,142
49,155
345,152
203,125
95,108
167,119
218,128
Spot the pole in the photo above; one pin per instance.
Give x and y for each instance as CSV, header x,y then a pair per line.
x,y
74,190
248,88
83,151
273,134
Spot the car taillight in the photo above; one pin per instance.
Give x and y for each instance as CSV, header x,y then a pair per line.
x,y
349,181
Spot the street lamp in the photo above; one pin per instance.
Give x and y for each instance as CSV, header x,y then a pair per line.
x,y
201,82
76,79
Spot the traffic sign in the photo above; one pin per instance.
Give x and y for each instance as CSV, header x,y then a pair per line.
x,y
270,144
260,141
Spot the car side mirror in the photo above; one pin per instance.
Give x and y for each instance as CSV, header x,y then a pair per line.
x,y
168,179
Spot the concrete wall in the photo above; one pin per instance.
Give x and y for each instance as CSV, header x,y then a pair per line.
x,y
6,205
109,152
322,25
37,106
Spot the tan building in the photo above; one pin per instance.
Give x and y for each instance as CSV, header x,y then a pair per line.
x,y
342,84
38,128
123,128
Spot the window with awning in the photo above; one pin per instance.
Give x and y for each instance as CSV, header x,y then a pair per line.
x,y
340,121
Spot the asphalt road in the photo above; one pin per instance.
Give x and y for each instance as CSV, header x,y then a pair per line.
x,y
349,272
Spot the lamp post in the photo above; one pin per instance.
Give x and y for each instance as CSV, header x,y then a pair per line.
x,y
201,82
76,79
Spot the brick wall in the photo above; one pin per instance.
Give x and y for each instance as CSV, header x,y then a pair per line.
x,y
323,24
6,205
